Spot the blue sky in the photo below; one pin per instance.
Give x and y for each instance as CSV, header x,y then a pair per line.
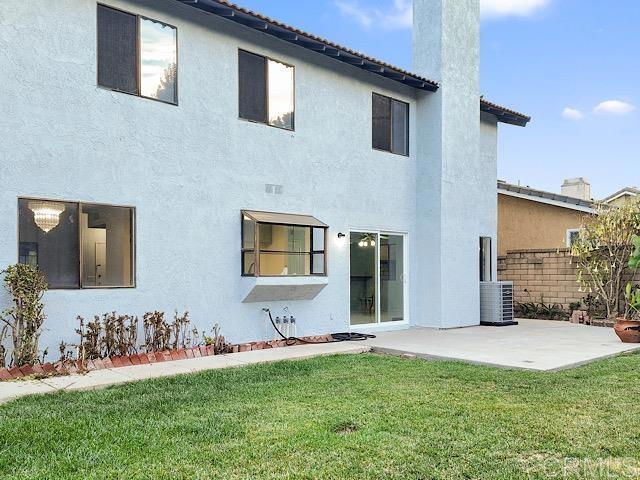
x,y
573,65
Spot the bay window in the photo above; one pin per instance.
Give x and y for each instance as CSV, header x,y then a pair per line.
x,y
281,245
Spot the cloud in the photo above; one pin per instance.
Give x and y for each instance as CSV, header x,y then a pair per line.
x,y
572,114
398,14
613,107
511,8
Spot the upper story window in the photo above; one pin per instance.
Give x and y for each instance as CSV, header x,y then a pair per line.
x,y
390,125
282,245
267,91
137,55
77,245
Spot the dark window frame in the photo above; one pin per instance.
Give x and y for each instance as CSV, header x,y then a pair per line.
x,y
138,57
391,123
266,76
256,250
79,204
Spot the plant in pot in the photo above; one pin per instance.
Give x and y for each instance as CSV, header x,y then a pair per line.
x,y
628,327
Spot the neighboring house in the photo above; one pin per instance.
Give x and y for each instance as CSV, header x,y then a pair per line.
x,y
147,143
530,219
622,197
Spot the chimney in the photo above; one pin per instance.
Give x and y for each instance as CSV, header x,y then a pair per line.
x,y
455,190
577,188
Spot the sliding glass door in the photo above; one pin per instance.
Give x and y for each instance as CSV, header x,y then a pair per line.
x,y
377,278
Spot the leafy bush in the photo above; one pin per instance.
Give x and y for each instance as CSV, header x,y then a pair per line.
x,y
632,293
602,253
217,340
541,311
24,319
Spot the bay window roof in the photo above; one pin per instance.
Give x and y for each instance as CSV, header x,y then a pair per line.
x,y
284,219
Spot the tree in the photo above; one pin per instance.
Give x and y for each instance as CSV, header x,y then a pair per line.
x,y
26,285
602,252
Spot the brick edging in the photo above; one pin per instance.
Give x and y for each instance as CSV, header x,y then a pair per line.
x,y
70,367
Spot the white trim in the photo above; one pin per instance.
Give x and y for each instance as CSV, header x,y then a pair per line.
x,y
547,201
568,237
381,325
621,194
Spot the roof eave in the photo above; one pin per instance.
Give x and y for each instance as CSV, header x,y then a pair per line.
x,y
504,115
289,34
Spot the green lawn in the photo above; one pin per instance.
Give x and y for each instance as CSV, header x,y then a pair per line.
x,y
362,416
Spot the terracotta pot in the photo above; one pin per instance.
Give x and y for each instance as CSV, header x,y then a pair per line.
x,y
628,330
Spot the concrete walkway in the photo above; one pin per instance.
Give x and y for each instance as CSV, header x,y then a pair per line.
x,y
104,378
532,345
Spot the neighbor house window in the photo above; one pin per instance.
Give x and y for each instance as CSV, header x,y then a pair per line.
x,y
390,125
572,236
77,245
266,89
137,55
281,245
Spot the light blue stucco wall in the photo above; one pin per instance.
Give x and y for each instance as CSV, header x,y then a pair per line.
x,y
190,169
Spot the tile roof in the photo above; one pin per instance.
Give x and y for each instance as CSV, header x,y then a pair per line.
x,y
541,195
270,26
630,190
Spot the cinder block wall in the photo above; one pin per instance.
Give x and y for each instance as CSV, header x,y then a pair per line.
x,y
547,276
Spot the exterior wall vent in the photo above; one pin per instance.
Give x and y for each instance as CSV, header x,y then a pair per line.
x,y
496,304
272,189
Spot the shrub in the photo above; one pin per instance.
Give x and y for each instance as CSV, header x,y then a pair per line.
x,y
111,335
541,311
602,253
161,335
26,286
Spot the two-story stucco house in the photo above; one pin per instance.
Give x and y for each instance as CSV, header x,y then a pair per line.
x,y
194,155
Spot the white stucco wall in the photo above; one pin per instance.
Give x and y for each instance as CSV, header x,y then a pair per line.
x,y
190,169
451,176
487,176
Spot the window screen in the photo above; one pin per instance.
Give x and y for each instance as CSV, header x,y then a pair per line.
x,y
381,122
48,238
117,57
253,87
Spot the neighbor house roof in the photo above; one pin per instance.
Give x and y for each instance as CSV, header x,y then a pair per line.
x,y
548,198
269,26
631,191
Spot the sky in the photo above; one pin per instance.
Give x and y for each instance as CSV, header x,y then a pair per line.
x,y
573,65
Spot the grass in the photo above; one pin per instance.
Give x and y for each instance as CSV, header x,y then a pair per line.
x,y
361,417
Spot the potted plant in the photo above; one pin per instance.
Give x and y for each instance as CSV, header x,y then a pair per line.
x,y
628,327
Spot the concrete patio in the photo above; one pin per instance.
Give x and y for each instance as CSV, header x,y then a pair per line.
x,y
533,344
